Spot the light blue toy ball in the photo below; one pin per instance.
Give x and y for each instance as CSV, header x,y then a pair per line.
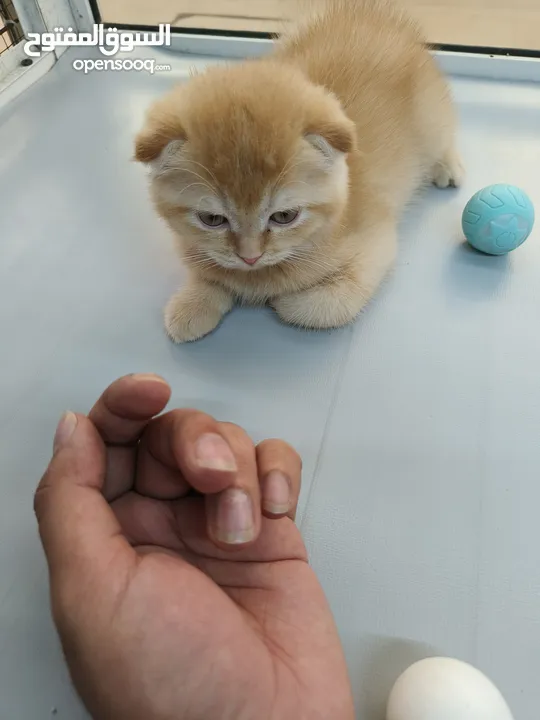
x,y
498,219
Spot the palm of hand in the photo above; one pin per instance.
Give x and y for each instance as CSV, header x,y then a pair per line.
x,y
258,623
160,622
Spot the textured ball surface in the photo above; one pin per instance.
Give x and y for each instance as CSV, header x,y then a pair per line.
x,y
498,219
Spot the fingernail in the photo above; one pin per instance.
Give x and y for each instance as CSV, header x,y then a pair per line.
x,y
276,493
231,517
64,430
148,376
213,453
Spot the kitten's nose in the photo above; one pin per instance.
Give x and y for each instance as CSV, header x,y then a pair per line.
x,y
251,260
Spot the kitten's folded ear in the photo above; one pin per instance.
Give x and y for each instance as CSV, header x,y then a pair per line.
x,y
333,136
328,128
162,125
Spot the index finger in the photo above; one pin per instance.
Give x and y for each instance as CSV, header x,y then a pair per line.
x,y
123,410
120,415
184,447
215,459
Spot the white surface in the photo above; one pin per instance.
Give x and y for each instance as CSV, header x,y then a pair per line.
x,y
419,426
20,78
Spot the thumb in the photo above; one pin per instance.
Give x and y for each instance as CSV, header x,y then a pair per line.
x,y
76,524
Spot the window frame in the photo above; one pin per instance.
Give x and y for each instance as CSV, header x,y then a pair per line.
x,y
18,77
36,16
484,62
42,15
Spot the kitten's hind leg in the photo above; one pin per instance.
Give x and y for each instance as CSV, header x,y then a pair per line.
x,y
449,171
338,300
196,310
437,124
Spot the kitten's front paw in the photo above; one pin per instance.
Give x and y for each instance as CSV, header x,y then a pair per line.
x,y
322,307
191,314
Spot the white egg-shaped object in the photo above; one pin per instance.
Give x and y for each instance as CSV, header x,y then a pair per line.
x,y
445,689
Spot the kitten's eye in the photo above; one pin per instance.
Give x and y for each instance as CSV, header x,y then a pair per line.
x,y
284,217
213,221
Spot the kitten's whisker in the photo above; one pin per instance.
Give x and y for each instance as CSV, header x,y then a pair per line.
x,y
316,264
193,185
196,255
289,166
294,182
283,171
206,169
204,180
205,183
201,264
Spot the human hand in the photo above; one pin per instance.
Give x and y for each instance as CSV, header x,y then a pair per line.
x,y
180,605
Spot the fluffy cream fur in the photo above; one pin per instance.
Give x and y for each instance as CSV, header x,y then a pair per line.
x,y
283,178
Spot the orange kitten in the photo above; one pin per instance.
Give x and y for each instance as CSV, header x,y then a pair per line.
x,y
283,178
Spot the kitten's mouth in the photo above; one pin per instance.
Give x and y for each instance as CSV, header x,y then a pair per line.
x,y
249,264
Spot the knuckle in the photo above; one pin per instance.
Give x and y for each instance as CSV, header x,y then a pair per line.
x,y
272,445
185,413
191,419
237,435
280,449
